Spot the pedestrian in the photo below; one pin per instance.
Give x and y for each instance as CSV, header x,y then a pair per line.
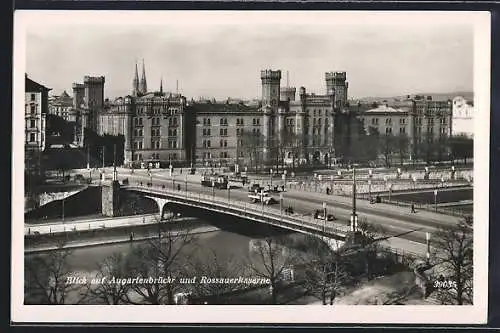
x,y
413,208
131,237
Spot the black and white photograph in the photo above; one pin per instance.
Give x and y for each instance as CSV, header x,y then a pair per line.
x,y
253,166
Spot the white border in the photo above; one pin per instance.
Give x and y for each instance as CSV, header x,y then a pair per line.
x,y
24,20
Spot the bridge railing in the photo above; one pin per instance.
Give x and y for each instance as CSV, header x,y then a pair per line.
x,y
243,209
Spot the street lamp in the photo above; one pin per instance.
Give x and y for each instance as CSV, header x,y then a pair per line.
x,y
271,176
228,193
186,183
281,205
390,192
370,189
324,216
442,181
262,200
428,238
213,190
435,200
173,183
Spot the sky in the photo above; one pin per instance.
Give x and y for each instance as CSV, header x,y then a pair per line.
x,y
218,57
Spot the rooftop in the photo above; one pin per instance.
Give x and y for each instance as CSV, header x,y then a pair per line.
x,y
222,107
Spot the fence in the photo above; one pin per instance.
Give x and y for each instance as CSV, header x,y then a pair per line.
x,y
264,213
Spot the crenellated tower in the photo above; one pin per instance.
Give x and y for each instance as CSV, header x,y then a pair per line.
x,y
336,84
270,98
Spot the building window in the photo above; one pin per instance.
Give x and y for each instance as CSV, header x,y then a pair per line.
x,y
239,131
401,121
206,132
33,108
155,144
32,97
223,132
32,137
388,130
239,121
402,130
223,121
254,121
32,123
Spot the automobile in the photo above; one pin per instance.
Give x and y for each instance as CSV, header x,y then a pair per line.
x,y
254,187
318,214
262,197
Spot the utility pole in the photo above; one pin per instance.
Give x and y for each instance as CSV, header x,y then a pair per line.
x,y
115,173
354,217
103,152
88,158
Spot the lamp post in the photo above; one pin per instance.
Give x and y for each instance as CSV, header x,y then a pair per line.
x,y
390,192
63,210
262,200
354,216
228,193
428,238
442,181
435,199
370,189
213,190
186,183
324,216
173,183
281,204
414,182
271,176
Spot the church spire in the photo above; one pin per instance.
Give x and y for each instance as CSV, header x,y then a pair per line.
x,y
135,82
143,84
161,85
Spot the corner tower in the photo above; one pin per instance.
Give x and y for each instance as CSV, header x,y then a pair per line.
x,y
336,84
270,87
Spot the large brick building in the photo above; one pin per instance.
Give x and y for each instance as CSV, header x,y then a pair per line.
x,y
152,122
282,125
35,112
423,121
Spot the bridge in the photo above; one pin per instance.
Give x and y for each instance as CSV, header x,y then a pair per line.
x,y
255,212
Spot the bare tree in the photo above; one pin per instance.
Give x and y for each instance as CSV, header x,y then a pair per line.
x,y
48,278
324,270
268,258
107,292
252,146
402,143
163,257
453,260
212,266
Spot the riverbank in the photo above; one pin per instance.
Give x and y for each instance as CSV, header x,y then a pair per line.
x,y
123,234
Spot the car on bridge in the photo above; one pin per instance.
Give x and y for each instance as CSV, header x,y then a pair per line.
x,y
262,197
318,214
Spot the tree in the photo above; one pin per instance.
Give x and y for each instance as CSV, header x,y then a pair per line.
x,y
212,266
117,265
268,259
48,278
461,147
164,257
453,259
324,269
252,146
388,144
402,146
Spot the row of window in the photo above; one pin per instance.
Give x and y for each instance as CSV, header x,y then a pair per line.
x,y
222,154
154,156
172,122
157,110
403,121
156,144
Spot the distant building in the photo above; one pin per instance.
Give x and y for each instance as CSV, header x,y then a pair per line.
x,y
152,123
62,106
88,103
462,119
422,120
35,110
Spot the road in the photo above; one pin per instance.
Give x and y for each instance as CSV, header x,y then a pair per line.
x,y
395,220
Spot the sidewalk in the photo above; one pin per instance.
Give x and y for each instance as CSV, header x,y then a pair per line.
x,y
379,208
116,239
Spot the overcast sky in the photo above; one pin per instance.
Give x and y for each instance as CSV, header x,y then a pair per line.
x,y
220,60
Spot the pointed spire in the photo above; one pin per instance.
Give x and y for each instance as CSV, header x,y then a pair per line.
x,y
143,84
135,82
161,85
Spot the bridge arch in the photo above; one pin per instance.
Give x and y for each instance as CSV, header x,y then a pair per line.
x,y
161,202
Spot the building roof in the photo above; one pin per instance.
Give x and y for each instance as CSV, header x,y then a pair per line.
x,y
33,86
385,109
222,108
